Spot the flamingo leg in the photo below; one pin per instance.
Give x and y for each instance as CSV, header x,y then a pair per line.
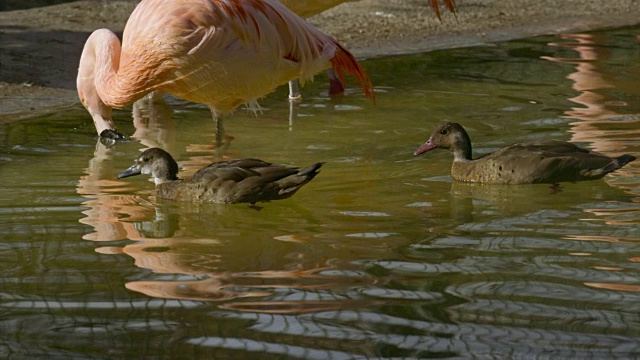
x,y
218,119
293,112
336,87
294,90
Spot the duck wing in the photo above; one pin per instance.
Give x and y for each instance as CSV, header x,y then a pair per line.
x,y
274,182
246,180
542,162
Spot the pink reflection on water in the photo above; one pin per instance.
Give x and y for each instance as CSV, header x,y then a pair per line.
x,y
190,267
285,292
592,74
108,206
105,208
615,287
608,121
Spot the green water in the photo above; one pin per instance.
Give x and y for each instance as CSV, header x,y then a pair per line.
x,y
380,256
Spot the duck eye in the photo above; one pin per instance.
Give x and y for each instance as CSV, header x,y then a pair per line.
x,y
443,131
145,159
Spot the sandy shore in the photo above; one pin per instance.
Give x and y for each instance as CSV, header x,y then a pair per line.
x,y
40,47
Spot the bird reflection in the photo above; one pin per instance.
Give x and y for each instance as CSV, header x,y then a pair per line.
x,y
615,287
105,205
153,122
590,77
604,120
109,200
287,292
210,289
166,241
190,269
163,225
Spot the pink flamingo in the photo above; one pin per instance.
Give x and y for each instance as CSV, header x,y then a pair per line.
x,y
222,53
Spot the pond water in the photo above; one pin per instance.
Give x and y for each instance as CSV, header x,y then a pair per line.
x,y
380,256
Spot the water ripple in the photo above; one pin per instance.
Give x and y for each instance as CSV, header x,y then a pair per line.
x,y
543,291
264,347
463,340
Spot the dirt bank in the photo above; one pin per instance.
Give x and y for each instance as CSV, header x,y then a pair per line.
x,y
40,47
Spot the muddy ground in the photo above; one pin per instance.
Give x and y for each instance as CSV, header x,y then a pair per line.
x,y
40,47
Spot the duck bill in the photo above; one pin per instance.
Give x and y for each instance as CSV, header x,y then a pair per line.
x,y
132,171
428,146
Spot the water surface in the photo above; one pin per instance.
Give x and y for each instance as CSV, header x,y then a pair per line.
x,y
380,256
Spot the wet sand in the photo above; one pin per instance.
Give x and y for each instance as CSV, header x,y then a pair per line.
x,y
40,47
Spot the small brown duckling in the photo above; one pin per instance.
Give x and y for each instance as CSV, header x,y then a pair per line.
x,y
227,182
547,161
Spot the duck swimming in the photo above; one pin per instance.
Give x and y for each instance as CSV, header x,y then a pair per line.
x,y
227,182
547,161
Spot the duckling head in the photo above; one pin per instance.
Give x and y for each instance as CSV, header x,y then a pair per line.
x,y
155,162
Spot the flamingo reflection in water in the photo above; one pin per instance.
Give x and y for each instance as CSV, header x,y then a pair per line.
x,y
105,203
153,122
110,200
605,120
598,110
164,241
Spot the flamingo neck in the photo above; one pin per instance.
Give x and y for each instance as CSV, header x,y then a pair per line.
x,y
99,87
107,63
100,62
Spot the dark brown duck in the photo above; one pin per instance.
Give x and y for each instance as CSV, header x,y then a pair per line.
x,y
235,181
548,161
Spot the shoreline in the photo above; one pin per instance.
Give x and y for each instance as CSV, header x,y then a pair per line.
x,y
40,47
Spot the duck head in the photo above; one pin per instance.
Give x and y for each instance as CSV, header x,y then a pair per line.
x,y
450,136
155,162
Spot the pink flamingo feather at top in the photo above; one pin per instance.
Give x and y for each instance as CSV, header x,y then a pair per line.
x,y
222,53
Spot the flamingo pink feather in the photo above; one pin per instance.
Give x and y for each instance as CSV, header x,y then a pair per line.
x,y
223,53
